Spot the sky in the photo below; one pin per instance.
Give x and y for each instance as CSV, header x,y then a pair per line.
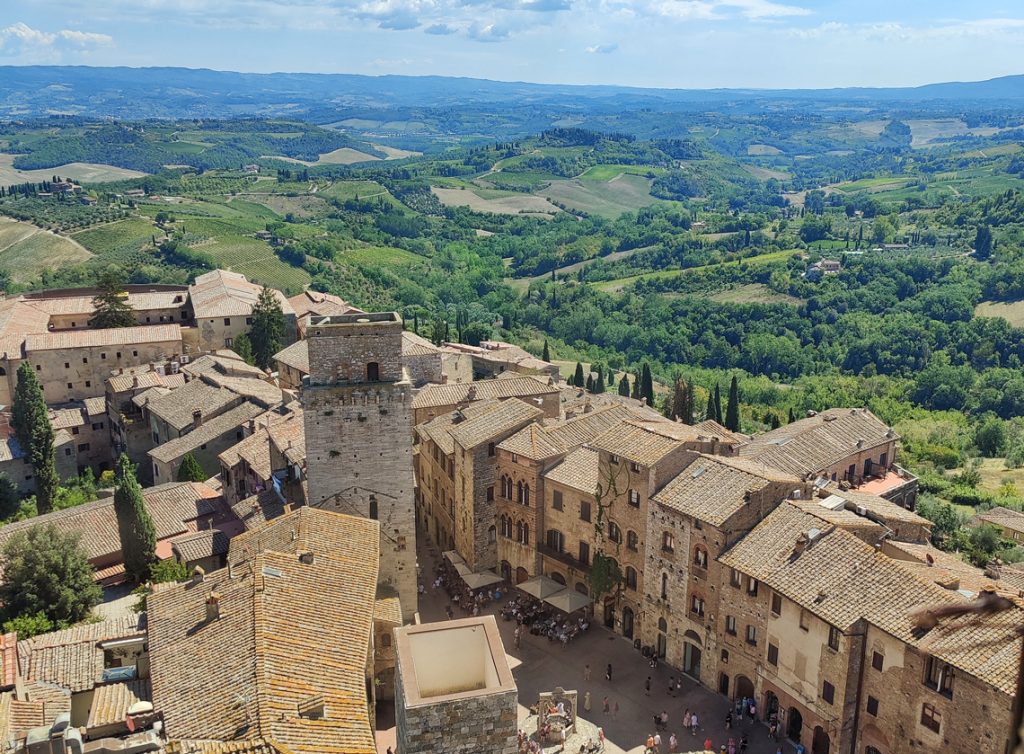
x,y
650,43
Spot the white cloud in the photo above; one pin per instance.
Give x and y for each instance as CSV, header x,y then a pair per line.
x,y
603,49
23,34
722,10
85,38
19,40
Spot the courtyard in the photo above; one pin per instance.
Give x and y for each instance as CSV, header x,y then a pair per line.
x,y
540,665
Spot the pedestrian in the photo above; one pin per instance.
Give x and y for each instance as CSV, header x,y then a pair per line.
x,y
708,745
449,611
672,686
740,703
608,672
731,748
389,750
728,720
743,744
615,712
694,724
586,672
586,701
517,635
673,743
657,742
686,719
647,686
650,743
753,711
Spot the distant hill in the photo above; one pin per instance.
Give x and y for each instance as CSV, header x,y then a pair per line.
x,y
30,91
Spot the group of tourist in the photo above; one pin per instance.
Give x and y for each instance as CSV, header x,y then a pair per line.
x,y
542,620
469,601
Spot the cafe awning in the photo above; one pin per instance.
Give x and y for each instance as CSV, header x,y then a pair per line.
x,y
540,587
568,600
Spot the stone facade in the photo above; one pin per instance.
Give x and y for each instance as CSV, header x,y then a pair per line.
x,y
435,493
520,512
358,426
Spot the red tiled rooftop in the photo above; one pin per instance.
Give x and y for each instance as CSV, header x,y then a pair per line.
x,y
881,485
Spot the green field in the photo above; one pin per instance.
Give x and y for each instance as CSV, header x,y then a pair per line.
x,y
26,251
384,256
608,199
129,234
754,293
614,286
498,202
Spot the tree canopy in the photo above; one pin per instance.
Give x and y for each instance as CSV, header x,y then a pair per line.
x,y
111,302
190,470
31,420
134,524
267,328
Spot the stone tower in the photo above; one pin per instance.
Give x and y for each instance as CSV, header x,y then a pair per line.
x,y
358,422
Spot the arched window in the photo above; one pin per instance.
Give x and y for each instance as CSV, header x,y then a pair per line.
x,y
526,494
664,586
582,589
632,540
630,577
373,507
556,576
526,534
700,557
519,531
3,372
519,492
614,532
556,540
662,625
372,372
492,535
668,542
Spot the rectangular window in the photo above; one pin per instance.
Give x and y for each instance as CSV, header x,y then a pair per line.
x,y
668,542
490,449
613,458
70,386
75,430
872,706
697,606
634,467
752,636
584,510
67,452
730,625
85,360
735,578
584,553
556,500
877,660
103,356
828,692
930,718
227,321
777,604
805,620
833,637
67,365
83,447
752,586
773,655
248,320
490,493
88,383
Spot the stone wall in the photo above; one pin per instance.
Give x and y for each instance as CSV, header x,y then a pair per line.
x,y
484,724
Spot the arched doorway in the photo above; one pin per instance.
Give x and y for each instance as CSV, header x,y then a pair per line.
x,y
627,622
662,640
521,575
609,614
820,742
723,684
794,724
771,705
744,687
691,654
506,570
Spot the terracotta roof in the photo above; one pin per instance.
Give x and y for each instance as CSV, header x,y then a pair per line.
x,y
320,304
864,528
842,580
140,302
440,429
150,395
176,407
289,647
295,356
259,508
645,443
580,470
10,449
538,442
887,510
809,446
62,418
289,437
18,717
712,428
458,392
228,294
223,362
206,432
414,345
115,336
110,703
8,659
146,375
20,318
503,417
1003,517
934,566
254,450
72,659
95,406
388,609
201,544
252,746
713,488
170,505
253,388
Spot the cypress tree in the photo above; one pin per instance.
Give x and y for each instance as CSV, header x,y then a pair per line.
x,y
111,302
547,352
31,421
267,328
611,378
775,423
732,411
578,380
718,404
792,417
599,383
624,385
687,416
648,385
134,524
678,402
709,414
243,347
190,470
635,392
590,383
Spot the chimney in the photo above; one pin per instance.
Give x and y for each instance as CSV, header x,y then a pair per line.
x,y
587,408
213,606
198,575
801,544
306,557
471,393
197,416
135,381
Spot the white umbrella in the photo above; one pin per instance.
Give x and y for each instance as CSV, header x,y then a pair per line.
x,y
540,587
568,600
